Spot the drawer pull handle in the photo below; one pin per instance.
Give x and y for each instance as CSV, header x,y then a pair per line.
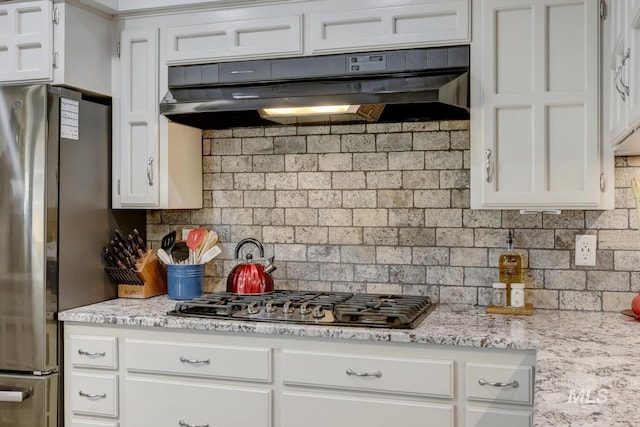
x,y
376,374
82,352
92,395
186,424
194,361
513,384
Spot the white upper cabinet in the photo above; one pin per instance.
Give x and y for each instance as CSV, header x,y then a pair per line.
x,y
25,41
82,48
138,119
237,39
288,29
63,44
534,107
425,23
621,76
156,164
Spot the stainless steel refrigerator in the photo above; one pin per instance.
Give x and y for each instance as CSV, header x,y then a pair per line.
x,y
54,219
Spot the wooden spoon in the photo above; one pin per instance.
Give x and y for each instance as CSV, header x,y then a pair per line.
x,y
209,241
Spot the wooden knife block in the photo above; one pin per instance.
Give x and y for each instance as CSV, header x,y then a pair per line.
x,y
154,278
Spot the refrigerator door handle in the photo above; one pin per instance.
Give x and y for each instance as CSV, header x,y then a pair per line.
x,y
15,395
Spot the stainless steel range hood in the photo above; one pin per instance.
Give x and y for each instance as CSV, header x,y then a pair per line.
x,y
402,85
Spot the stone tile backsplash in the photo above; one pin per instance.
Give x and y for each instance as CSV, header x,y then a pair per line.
x,y
385,208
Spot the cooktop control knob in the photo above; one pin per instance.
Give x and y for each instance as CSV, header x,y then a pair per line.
x,y
270,307
304,309
253,308
318,312
287,309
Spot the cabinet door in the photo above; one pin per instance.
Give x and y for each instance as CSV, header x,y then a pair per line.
x,y
25,41
430,22
490,417
164,402
238,39
82,49
614,95
534,111
631,69
322,409
138,144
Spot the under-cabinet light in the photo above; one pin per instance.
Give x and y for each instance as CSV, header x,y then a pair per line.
x,y
306,111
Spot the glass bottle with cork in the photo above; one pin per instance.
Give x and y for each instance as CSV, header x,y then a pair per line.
x,y
510,267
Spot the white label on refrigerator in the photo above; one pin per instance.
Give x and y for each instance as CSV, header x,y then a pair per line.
x,y
69,114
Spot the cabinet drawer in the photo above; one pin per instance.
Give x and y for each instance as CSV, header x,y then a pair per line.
x,y
94,394
194,359
92,423
321,410
165,403
94,352
489,417
397,375
504,374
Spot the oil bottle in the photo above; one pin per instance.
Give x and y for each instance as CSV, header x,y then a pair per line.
x,y
510,267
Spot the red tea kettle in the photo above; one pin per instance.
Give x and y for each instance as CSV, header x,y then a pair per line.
x,y
251,277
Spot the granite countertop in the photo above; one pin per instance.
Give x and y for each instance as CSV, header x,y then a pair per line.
x,y
585,374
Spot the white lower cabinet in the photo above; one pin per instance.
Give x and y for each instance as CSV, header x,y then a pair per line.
x,y
92,380
181,378
165,402
488,417
499,383
322,409
376,374
94,394
92,423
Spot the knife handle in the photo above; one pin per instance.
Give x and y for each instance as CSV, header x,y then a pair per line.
x,y
141,244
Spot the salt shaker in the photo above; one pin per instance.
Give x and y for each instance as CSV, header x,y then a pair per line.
x,y
517,294
499,295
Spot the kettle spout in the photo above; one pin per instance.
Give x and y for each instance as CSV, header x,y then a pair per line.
x,y
269,267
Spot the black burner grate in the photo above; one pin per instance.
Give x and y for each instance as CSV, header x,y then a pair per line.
x,y
311,307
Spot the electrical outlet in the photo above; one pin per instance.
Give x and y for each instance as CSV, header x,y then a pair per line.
x,y
586,250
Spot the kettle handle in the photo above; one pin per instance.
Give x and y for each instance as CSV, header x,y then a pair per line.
x,y
248,240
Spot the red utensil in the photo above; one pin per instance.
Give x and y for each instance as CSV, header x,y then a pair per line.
x,y
194,240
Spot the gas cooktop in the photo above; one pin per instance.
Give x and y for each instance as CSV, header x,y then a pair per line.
x,y
310,307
